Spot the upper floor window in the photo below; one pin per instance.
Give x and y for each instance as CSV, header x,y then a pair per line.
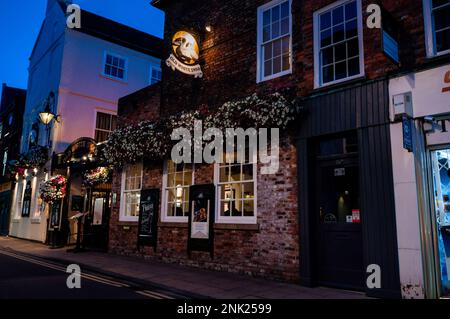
x,y
274,40
338,43
131,192
115,66
236,191
437,26
105,124
177,180
155,75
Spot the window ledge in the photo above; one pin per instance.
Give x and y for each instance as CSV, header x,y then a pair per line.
x,y
127,223
173,225
124,82
35,220
250,227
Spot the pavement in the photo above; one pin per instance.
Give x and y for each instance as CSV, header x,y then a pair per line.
x,y
174,280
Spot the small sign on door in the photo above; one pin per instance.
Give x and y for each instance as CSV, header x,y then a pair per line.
x,y
339,171
356,216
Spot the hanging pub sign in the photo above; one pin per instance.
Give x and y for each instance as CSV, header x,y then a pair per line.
x,y
185,53
148,217
407,134
55,215
26,204
201,218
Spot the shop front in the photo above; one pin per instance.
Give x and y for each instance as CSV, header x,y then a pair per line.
x,y
346,202
81,216
420,111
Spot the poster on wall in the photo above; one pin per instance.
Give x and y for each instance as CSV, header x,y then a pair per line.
x,y
26,204
201,218
148,217
55,215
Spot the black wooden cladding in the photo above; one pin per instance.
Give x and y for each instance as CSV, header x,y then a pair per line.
x,y
365,109
347,109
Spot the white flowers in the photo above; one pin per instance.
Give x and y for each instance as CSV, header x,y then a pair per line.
x,y
152,139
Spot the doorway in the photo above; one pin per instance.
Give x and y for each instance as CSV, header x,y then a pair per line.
x,y
96,225
440,160
337,215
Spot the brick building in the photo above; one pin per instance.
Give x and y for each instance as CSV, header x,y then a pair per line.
x,y
329,212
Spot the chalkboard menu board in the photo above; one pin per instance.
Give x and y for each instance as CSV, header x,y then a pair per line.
x,y
55,215
26,204
148,217
201,218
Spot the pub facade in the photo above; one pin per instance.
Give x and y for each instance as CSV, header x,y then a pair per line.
x,y
327,215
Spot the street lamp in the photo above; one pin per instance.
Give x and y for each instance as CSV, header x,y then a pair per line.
x,y
47,116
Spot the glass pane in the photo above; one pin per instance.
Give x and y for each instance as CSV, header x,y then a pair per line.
x,y
108,59
285,26
268,68
268,51
266,33
226,192
325,21
325,38
225,208
186,208
285,45
115,61
266,17
277,48
350,10
341,70
107,70
443,40
351,29
171,195
275,30
285,9
114,71
188,178
327,56
170,209
338,33
247,172
249,208
276,65
235,173
353,48
275,14
338,15
120,74
113,122
328,73
121,63
224,174
340,52
248,191
353,66
286,62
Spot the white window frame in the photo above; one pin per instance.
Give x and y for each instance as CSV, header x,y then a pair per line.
x,y
316,26
157,68
164,217
122,216
95,119
259,56
247,220
430,39
125,74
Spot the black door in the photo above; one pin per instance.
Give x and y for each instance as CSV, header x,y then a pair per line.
x,y
96,225
4,213
339,238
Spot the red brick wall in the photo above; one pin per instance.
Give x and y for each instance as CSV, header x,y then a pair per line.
x,y
228,59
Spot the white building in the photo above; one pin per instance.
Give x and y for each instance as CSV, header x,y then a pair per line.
x,y
422,180
87,70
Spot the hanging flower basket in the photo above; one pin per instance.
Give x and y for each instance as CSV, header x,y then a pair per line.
x,y
151,139
54,189
100,175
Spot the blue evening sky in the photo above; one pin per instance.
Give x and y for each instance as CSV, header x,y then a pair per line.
x,y
20,21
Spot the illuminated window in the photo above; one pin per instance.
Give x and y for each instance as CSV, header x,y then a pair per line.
x,y
437,26
105,124
274,40
177,180
115,66
155,75
236,191
338,43
131,192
